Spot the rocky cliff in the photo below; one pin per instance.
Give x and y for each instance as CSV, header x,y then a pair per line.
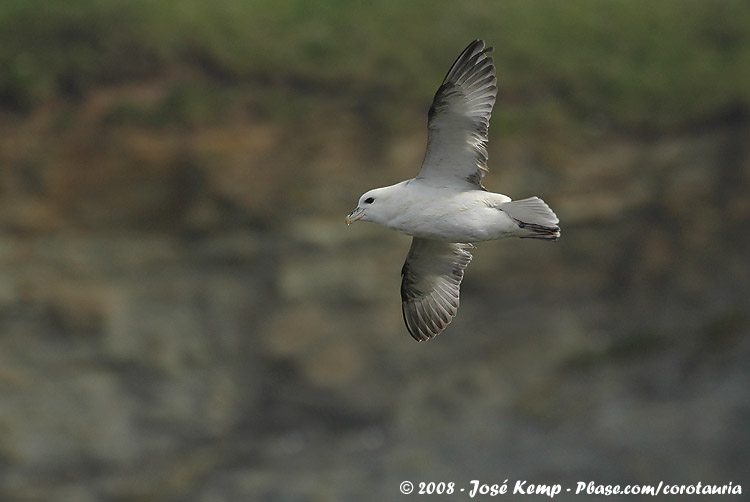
x,y
184,314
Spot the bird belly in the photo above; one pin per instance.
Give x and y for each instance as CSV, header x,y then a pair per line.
x,y
456,223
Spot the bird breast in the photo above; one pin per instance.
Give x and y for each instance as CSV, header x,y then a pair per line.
x,y
457,217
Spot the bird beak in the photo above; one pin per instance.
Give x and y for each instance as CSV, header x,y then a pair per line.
x,y
355,215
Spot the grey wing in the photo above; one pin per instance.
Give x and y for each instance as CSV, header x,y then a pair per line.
x,y
430,282
459,119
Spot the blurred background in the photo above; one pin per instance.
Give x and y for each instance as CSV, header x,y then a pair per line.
x,y
185,316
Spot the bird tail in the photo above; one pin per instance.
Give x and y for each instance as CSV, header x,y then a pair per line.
x,y
534,218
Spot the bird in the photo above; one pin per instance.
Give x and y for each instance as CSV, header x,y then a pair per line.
x,y
445,208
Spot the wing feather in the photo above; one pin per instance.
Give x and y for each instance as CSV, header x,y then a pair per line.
x,y
458,121
430,285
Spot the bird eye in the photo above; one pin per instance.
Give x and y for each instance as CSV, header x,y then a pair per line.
x,y
369,200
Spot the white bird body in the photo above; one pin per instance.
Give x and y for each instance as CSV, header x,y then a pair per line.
x,y
441,213
445,208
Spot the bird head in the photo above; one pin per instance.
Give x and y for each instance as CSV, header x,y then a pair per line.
x,y
372,206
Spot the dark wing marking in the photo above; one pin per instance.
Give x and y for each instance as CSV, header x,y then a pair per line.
x,y
459,119
430,282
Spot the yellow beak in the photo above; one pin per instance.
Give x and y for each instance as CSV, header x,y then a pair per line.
x,y
355,215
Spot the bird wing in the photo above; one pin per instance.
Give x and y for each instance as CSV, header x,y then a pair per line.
x,y
430,282
459,119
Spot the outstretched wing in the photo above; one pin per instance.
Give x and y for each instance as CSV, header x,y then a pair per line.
x,y
458,121
430,282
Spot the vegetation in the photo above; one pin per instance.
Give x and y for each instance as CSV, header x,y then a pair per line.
x,y
633,63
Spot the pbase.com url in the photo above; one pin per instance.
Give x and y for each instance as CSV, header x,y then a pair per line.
x,y
523,487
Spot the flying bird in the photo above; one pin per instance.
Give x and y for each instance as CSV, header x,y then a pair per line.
x,y
446,208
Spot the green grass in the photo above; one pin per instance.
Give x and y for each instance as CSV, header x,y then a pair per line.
x,y
637,63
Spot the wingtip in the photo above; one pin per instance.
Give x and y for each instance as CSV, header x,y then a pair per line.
x,y
479,42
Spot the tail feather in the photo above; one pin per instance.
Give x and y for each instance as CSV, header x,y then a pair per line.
x,y
535,217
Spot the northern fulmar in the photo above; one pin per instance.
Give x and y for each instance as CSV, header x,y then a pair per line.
x,y
446,208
